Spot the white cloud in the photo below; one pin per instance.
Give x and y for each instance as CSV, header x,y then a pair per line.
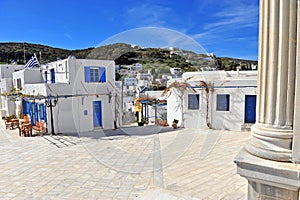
x,y
148,14
156,37
230,22
240,16
232,30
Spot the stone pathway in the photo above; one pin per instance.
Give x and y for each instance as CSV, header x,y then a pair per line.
x,y
129,163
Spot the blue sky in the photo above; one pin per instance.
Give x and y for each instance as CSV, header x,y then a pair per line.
x,y
227,28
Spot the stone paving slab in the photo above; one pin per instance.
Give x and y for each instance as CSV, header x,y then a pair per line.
x,y
129,163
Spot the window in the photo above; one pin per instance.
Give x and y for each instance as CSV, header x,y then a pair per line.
x,y
19,84
223,102
46,76
95,74
66,64
193,101
52,74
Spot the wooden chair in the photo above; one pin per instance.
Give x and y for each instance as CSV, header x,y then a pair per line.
x,y
26,119
25,130
39,127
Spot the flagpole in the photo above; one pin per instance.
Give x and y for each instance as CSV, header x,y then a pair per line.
x,y
37,60
33,61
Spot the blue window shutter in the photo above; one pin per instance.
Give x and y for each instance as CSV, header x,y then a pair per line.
x,y
30,109
45,113
30,112
24,105
36,112
102,74
52,71
41,112
27,107
87,74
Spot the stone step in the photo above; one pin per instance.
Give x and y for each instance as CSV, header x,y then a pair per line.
x,y
246,127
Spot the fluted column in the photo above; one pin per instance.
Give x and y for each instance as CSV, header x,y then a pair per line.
x,y
273,132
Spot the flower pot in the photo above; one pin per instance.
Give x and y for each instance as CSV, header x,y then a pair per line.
x,y
141,123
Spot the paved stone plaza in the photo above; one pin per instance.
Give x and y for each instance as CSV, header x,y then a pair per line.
x,y
129,163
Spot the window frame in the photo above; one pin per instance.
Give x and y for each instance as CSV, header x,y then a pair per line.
x,y
94,74
223,102
19,83
193,105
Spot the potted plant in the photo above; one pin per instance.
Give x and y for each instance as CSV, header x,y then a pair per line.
x,y
140,123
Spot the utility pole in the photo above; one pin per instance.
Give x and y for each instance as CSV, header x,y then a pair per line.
x,y
24,52
122,102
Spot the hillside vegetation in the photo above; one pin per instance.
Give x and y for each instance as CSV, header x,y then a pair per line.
x,y
15,52
156,59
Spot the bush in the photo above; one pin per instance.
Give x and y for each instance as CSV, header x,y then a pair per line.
x,y
13,116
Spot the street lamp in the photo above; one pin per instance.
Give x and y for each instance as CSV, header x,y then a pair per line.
x,y
51,102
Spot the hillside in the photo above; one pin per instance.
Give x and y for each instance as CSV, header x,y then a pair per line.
x,y
15,51
156,59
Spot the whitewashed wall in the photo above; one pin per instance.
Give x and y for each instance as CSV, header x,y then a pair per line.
x,y
7,106
8,70
174,109
234,118
196,118
28,76
228,120
75,120
75,114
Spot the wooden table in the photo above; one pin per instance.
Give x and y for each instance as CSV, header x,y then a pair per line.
x,y
14,123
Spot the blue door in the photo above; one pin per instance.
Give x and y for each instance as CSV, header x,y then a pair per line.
x,y
250,108
97,113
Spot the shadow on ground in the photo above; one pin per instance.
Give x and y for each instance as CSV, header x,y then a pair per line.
x,y
124,131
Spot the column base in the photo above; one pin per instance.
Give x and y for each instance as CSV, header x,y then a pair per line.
x,y
268,179
270,142
262,191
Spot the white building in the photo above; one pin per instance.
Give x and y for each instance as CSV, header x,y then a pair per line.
x,y
130,82
130,70
158,110
83,92
7,106
176,72
137,67
144,76
215,99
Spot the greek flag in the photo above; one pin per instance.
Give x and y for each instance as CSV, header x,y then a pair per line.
x,y
33,61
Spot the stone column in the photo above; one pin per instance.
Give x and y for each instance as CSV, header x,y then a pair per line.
x,y
266,160
273,132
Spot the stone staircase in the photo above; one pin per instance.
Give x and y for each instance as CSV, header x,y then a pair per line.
x,y
246,127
